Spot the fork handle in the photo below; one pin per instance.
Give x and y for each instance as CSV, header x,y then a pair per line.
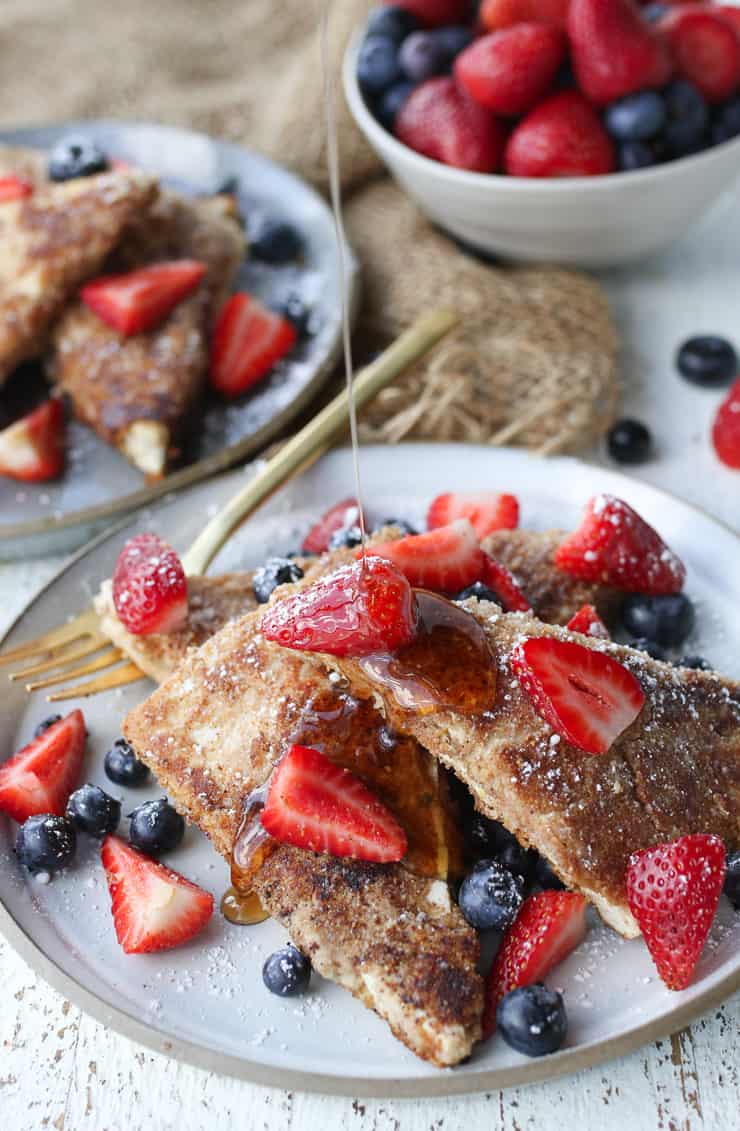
x,y
316,437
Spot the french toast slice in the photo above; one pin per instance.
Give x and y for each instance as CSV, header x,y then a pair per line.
x,y
50,243
675,770
138,393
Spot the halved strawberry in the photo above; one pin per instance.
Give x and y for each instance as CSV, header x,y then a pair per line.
x,y
616,547
485,510
153,907
137,301
548,927
359,609
150,590
446,559
248,341
41,776
503,583
673,891
726,427
314,804
32,448
14,188
587,697
588,622
342,514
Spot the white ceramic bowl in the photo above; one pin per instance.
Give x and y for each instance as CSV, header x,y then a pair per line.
x,y
587,221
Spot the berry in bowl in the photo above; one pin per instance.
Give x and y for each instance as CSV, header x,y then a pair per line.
x,y
590,132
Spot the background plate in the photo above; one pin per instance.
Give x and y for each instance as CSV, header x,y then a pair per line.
x,y
99,483
205,1002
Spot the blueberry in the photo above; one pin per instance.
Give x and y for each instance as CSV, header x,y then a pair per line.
x,y
393,22
688,119
654,12
45,724
76,157
479,591
378,66
156,827
565,78
642,644
299,314
629,441
727,121
633,155
401,524
707,360
520,861
275,241
638,117
697,663
93,810
390,103
346,536
667,620
483,836
287,972
452,40
545,876
532,1019
421,57
490,896
46,843
732,879
122,766
275,571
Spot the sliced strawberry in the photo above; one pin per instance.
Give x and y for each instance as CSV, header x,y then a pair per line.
x,y
150,591
588,622
359,609
137,301
614,50
485,510
32,449
442,122
586,696
561,137
726,427
508,71
248,342
706,49
153,907
336,518
314,804
41,776
616,547
497,577
14,188
673,891
446,559
548,927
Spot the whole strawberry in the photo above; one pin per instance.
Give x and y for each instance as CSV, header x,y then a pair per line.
x,y
562,137
434,13
706,49
614,51
510,70
673,891
442,122
497,14
726,429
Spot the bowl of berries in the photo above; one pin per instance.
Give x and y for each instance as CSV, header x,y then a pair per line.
x,y
588,132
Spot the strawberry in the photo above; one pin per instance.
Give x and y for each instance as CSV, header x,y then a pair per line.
x,y
41,776
150,591
587,697
314,804
137,301
434,13
562,137
32,448
726,428
548,927
359,609
248,342
706,49
486,511
614,50
616,547
497,14
442,122
153,907
510,70
336,518
729,14
14,188
588,622
446,559
673,891
497,577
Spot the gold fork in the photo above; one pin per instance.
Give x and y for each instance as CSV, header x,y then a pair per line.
x,y
56,652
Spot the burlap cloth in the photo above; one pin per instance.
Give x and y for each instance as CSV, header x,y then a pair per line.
x,y
534,362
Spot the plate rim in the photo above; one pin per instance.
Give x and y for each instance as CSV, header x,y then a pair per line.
x,y
442,1083
249,446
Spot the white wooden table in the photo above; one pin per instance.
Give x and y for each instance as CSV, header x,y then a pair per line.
x,y
59,1069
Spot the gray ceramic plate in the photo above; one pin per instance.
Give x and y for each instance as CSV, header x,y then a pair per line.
x,y
205,1002
99,484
